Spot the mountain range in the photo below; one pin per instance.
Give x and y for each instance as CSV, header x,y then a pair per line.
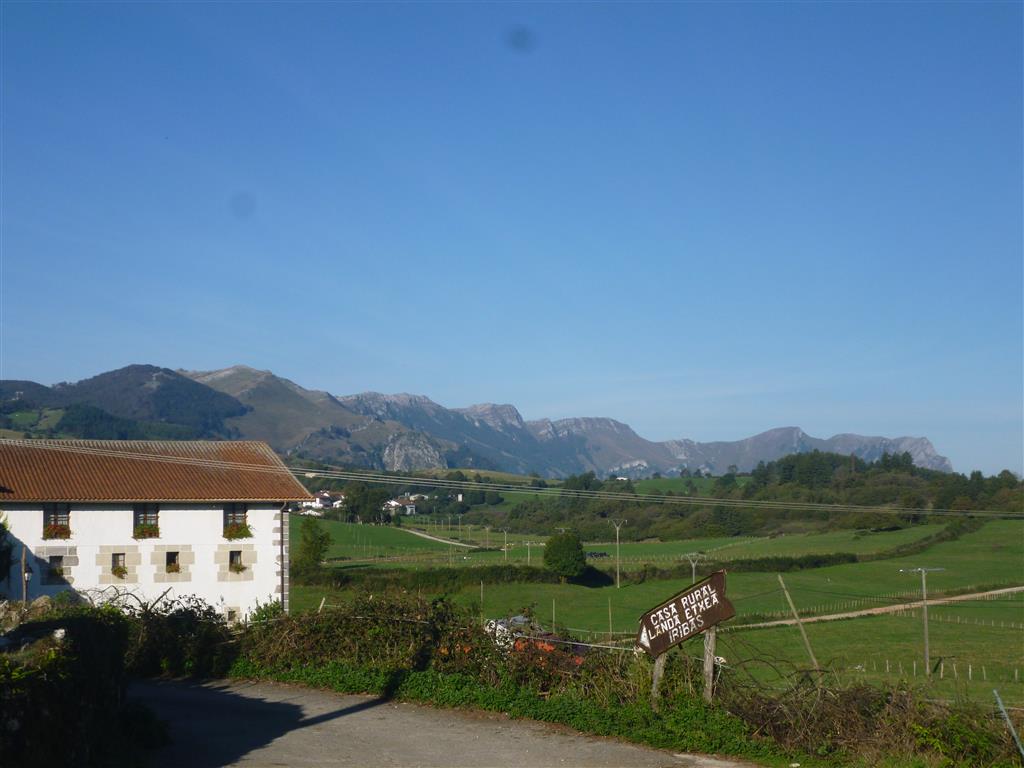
x,y
399,432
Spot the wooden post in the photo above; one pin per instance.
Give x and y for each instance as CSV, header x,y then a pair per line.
x,y
659,671
322,601
800,625
609,619
709,663
24,581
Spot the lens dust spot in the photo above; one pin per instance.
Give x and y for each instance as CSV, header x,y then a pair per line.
x,y
242,205
521,39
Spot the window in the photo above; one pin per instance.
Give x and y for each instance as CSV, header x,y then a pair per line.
x,y
235,524
235,564
172,564
117,566
57,514
56,521
55,573
234,514
147,521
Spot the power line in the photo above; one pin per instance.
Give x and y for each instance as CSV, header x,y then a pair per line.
x,y
370,476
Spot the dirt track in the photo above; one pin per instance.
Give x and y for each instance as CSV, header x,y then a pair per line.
x,y
880,610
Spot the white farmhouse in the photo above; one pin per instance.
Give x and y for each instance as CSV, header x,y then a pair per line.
x,y
198,518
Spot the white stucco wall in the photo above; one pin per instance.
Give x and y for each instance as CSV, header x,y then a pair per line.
x,y
194,530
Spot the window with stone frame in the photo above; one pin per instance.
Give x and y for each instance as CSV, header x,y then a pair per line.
x,y
55,570
172,562
235,560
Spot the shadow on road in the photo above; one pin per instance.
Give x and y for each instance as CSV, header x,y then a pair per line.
x,y
215,724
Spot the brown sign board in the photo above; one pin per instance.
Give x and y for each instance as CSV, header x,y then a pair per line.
x,y
686,615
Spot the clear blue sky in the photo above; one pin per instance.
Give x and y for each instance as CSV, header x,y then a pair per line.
x,y
703,220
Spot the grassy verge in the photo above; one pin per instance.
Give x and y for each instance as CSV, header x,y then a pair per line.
x,y
682,725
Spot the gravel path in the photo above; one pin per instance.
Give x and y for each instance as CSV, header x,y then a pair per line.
x,y
249,724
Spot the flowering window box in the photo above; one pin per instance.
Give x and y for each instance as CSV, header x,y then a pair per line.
x,y
237,531
146,531
57,531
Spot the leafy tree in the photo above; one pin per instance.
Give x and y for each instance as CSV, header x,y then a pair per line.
x,y
563,555
314,541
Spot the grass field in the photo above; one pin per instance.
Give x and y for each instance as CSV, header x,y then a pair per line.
x,y
365,541
794,545
369,541
505,478
972,642
678,485
990,557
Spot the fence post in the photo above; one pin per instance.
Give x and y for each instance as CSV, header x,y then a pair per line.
x,y
609,619
659,670
709,663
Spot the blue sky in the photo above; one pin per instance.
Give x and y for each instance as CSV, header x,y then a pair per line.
x,y
704,220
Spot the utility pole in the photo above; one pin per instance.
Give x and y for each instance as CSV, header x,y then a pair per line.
x,y
528,552
618,523
460,525
694,558
504,547
924,611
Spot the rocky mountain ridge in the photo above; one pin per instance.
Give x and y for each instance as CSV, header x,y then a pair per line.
x,y
405,432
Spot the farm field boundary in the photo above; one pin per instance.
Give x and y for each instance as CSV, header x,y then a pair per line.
x,y
882,609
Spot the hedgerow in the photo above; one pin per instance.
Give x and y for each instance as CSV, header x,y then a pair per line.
x,y
399,646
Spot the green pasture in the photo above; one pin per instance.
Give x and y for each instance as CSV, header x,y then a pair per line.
x,y
43,419
635,555
448,527
983,634
977,646
678,485
990,557
505,478
356,541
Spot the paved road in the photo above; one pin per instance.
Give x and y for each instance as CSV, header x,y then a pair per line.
x,y
267,724
909,606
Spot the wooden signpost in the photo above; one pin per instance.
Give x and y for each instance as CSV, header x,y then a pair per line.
x,y
695,610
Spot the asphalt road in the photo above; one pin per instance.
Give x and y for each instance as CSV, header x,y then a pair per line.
x,y
267,724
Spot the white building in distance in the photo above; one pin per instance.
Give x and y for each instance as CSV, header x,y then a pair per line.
x,y
204,518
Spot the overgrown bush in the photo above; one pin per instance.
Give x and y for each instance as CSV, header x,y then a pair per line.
x,y
397,645
177,637
61,695
873,722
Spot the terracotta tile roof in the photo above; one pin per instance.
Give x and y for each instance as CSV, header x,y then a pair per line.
x,y
144,470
